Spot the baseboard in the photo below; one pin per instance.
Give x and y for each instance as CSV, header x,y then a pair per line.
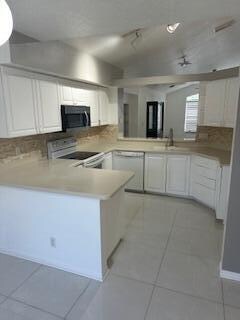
x,y
59,266
230,275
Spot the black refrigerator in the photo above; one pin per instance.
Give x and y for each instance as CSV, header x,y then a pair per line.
x,y
155,119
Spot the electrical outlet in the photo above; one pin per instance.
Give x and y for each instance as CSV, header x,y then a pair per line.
x,y
53,242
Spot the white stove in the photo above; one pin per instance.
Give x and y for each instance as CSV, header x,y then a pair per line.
x,y
67,149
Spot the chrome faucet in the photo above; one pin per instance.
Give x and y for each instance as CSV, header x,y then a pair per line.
x,y
170,141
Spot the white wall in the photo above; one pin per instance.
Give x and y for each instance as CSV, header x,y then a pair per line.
x,y
145,94
175,111
60,59
132,100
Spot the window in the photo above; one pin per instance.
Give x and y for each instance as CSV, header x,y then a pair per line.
x,y
191,113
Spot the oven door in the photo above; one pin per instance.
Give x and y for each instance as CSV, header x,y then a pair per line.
x,y
75,117
97,164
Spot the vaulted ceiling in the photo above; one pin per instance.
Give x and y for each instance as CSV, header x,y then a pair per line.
x,y
98,26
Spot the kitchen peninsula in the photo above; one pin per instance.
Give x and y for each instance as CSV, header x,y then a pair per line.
x,y
58,215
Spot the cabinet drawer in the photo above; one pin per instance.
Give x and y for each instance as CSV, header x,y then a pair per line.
x,y
209,183
205,162
204,194
200,171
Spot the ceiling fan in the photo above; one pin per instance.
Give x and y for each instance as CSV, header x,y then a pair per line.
x,y
184,61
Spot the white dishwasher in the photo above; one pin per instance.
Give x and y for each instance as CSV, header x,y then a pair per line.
x,y
130,161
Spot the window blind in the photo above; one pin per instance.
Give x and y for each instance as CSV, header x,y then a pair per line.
x,y
191,113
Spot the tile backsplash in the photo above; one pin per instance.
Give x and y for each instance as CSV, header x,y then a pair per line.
x,y
217,137
16,147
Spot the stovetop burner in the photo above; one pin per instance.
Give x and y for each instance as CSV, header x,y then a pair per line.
x,y
79,155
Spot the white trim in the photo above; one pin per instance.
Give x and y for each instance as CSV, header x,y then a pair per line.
x,y
229,275
58,266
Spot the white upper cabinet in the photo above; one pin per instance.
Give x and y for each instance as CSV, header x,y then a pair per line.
x,y
178,167
66,95
103,106
231,102
18,105
28,105
96,99
221,103
93,103
80,96
214,103
49,107
155,172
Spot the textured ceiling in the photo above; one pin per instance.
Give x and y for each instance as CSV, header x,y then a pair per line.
x,y
97,26
60,19
158,52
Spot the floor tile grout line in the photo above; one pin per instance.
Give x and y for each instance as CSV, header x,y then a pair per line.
x,y
149,303
37,308
165,249
19,286
172,290
75,302
189,294
133,279
194,255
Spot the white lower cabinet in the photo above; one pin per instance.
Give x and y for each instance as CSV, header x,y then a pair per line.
x,y
178,167
167,173
155,172
197,177
205,175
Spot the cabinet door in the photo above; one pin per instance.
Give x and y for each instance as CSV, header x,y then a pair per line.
x,y
108,161
93,103
48,107
155,172
215,103
231,102
66,95
80,96
178,167
20,97
103,107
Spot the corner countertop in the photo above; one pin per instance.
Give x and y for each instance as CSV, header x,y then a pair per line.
x,y
59,176
222,156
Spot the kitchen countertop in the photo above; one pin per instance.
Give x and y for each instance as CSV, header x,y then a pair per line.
x,y
59,176
222,156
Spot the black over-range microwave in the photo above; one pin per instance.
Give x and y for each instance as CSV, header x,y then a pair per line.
x,y
74,117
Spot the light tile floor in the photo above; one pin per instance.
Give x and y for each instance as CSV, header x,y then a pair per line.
x,y
165,269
